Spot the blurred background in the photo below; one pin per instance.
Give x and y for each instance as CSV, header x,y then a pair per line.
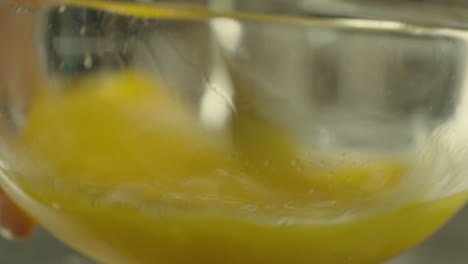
x,y
448,246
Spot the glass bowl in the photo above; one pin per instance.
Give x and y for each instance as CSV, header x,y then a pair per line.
x,y
331,132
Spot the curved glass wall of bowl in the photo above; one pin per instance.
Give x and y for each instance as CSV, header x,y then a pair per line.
x,y
350,80
355,83
359,68
447,246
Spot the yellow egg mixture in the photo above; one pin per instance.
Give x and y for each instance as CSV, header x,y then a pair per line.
x,y
120,169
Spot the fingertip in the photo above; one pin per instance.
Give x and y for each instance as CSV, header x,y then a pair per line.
x,y
14,223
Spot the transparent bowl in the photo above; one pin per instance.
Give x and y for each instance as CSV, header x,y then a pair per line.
x,y
330,132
